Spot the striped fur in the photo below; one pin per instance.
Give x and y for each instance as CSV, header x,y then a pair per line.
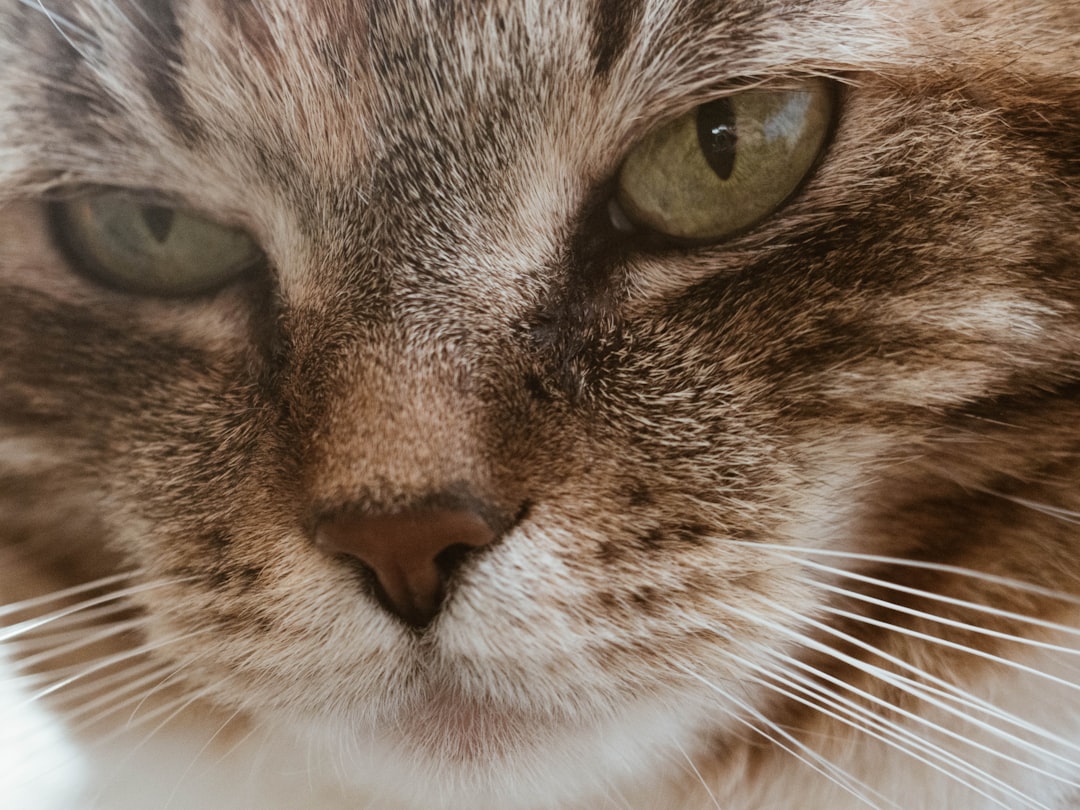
x,y
790,520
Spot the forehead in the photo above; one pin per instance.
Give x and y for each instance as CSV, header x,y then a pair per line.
x,y
428,73
317,64
332,105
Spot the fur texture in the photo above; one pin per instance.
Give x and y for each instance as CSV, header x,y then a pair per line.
x,y
790,519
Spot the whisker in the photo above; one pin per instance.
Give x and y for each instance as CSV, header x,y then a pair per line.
x,y
172,709
180,705
109,661
925,693
697,773
238,743
89,692
941,687
85,640
86,714
33,680
66,593
125,698
919,691
198,754
172,678
1067,515
985,631
80,691
812,759
863,720
1008,582
975,606
129,682
23,648
59,21
29,625
929,724
953,645
68,31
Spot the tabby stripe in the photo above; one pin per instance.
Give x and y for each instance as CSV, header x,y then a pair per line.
x,y
613,24
158,53
73,96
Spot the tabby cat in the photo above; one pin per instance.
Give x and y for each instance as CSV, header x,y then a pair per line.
x,y
540,404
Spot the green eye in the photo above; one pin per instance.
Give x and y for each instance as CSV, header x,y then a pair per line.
x,y
727,164
150,249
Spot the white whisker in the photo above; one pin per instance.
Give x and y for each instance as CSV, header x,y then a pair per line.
x,y
906,685
131,680
108,661
1008,582
88,713
697,773
941,687
907,631
177,707
198,754
975,606
85,640
23,648
173,678
793,746
81,690
60,22
174,705
1066,515
850,714
30,625
124,698
926,693
67,593
237,744
172,709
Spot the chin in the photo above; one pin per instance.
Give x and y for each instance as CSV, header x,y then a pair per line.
x,y
450,753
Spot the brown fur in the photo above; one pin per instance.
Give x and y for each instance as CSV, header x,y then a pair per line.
x,y
885,367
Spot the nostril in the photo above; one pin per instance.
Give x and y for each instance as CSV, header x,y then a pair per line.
x,y
451,558
412,554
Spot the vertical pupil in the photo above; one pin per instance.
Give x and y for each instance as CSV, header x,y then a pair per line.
x,y
158,221
716,135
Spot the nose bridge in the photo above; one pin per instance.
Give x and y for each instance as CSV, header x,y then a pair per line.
x,y
405,382
401,481
401,420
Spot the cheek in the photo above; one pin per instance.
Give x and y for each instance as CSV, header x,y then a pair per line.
x,y
272,625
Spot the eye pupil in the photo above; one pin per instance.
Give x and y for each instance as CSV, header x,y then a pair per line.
x,y
717,136
159,221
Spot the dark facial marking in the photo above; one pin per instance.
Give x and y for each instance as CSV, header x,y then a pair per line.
x,y
613,23
74,99
158,52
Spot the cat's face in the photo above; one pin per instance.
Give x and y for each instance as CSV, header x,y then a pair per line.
x,y
456,316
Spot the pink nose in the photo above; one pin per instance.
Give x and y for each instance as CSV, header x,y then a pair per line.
x,y
412,554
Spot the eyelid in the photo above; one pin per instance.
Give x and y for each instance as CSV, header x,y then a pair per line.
x,y
670,110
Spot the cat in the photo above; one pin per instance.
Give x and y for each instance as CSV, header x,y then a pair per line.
x,y
540,405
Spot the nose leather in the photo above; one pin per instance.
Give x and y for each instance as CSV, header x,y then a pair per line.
x,y
412,553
